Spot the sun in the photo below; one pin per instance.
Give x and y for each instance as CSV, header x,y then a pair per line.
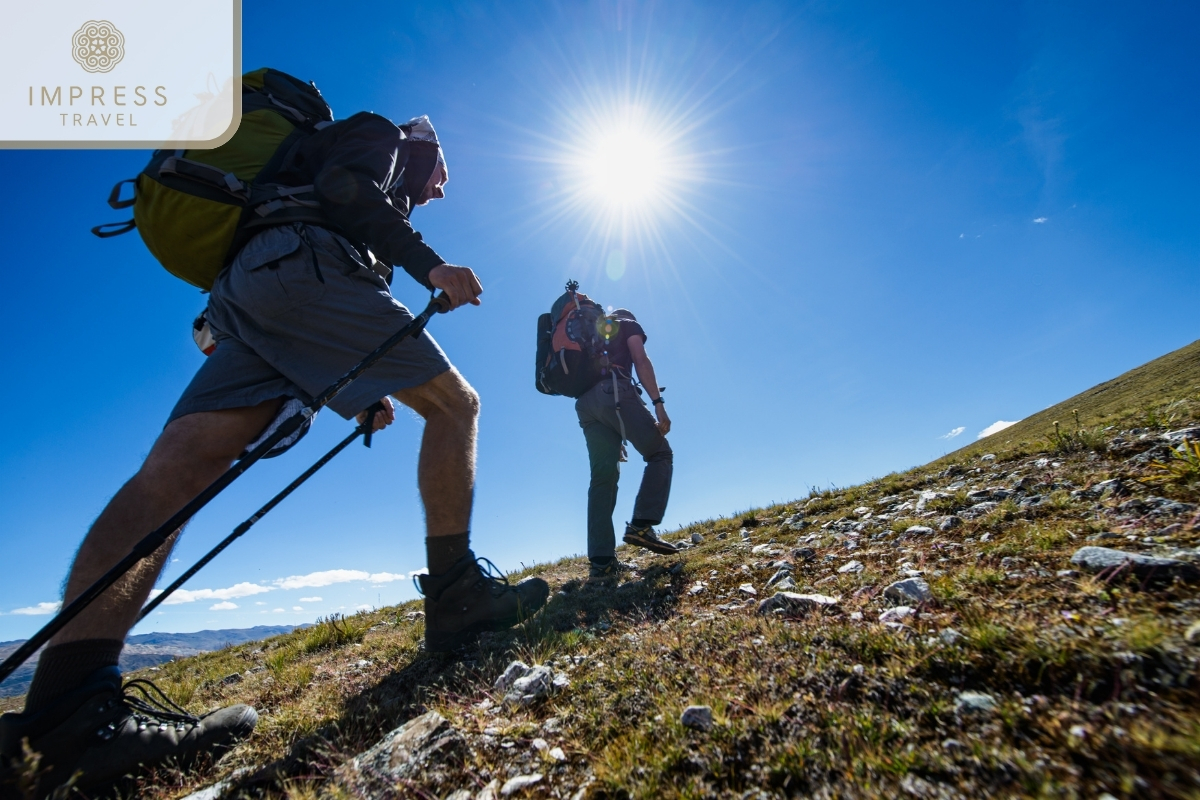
x,y
626,165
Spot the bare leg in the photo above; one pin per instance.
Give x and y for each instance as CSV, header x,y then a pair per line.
x,y
189,455
446,472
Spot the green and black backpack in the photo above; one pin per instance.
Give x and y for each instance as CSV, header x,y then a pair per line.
x,y
196,208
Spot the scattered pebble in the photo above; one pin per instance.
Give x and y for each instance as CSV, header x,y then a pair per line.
x,y
747,588
908,592
975,703
851,566
896,614
698,718
518,783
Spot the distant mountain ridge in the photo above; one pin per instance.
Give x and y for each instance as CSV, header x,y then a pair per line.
x,y
149,649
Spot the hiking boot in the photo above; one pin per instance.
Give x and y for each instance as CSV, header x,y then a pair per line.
x,y
102,731
603,574
647,538
464,601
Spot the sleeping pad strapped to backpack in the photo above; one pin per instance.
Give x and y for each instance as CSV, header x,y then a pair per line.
x,y
196,208
572,345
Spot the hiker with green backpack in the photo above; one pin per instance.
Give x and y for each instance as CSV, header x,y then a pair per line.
x,y
294,227
589,355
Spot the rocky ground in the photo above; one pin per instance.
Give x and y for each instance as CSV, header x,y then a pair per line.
x,y
1021,623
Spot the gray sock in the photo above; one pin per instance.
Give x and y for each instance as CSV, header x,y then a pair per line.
x,y
64,667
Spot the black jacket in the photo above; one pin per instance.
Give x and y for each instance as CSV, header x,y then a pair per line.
x,y
356,167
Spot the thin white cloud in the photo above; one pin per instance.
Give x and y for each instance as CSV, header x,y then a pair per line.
x,y
244,589
297,608
224,605
310,599
325,578
995,427
1040,220
41,609
364,607
277,611
953,433
314,580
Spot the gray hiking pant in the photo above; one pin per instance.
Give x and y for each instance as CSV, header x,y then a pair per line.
x,y
598,417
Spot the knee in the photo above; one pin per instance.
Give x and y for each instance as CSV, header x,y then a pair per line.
x,y
663,454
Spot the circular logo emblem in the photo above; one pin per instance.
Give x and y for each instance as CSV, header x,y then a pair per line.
x,y
98,46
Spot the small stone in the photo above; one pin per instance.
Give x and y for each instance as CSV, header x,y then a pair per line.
x,y
540,744
858,669
1078,731
1107,560
1066,573
783,572
697,538
747,588
908,592
975,703
952,745
896,614
918,530
950,637
861,511
518,783
785,585
856,616
489,792
792,604
229,680
401,755
1193,633
460,794
851,566
745,535
698,718
949,523
557,754
722,535
804,554
517,669
988,457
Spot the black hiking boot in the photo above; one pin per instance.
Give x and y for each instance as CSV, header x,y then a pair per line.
x,y
102,731
606,573
647,538
464,601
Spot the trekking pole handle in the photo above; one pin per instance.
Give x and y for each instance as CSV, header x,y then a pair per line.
x,y
442,301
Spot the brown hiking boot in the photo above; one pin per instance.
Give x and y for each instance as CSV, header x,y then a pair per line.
x,y
606,573
465,601
103,731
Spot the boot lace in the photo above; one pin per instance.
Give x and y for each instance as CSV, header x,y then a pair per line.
x,y
491,573
148,705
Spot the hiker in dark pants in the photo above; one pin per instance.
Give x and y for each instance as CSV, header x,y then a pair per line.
x,y
299,305
611,412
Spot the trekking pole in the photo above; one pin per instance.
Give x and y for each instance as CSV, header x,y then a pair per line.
x,y
156,538
366,428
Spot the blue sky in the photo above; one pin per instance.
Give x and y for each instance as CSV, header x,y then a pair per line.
x,y
880,223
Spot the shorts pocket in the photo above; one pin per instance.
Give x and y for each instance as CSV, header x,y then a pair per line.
x,y
277,272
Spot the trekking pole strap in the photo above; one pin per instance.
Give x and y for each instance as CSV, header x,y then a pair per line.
x,y
156,538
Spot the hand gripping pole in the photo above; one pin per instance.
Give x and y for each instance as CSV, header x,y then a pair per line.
x,y
156,538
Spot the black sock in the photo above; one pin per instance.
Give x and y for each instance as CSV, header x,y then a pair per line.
x,y
643,523
442,551
64,667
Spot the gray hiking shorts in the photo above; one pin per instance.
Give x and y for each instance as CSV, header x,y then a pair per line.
x,y
294,312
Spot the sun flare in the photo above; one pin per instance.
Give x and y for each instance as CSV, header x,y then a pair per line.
x,y
625,166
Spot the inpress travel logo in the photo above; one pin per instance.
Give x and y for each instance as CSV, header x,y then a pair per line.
x,y
98,46
120,73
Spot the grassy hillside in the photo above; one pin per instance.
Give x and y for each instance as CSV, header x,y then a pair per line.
x,y
1141,397
1022,674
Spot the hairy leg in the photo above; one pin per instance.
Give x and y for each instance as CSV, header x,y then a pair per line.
x,y
446,472
189,455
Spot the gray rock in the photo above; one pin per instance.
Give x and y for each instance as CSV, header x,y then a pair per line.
x,y
1066,573
698,718
910,591
975,703
1107,560
950,637
897,614
1177,437
795,605
988,457
851,566
518,783
804,554
524,685
229,680
978,510
783,572
423,750
697,538
949,523
927,497
785,585
918,530
461,794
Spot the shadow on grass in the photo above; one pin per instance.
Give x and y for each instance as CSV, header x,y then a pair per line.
x,y
574,615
